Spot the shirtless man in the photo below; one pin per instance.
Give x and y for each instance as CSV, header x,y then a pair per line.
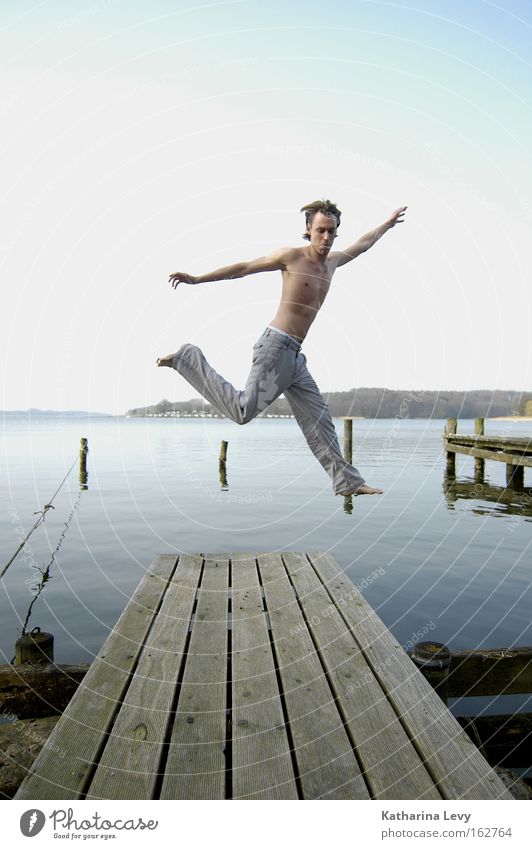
x,y
278,365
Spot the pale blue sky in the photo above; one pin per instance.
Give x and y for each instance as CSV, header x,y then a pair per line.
x,y
141,138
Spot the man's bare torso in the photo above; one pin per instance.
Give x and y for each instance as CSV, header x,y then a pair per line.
x,y
306,281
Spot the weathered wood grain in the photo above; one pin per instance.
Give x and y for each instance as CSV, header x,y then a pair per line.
x,y
196,767
327,766
456,766
129,765
88,717
392,766
262,764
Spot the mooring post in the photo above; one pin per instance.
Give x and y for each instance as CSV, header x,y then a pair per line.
x,y
83,451
515,477
434,661
451,427
222,465
479,461
35,647
348,439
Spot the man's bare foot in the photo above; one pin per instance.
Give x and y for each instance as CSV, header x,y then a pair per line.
x,y
363,489
167,361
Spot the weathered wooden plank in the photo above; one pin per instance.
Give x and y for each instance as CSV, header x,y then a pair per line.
x,y
392,766
196,764
88,717
456,766
490,672
513,443
500,456
128,767
262,765
327,766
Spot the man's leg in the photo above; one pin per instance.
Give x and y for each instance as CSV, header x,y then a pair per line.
x,y
272,369
315,421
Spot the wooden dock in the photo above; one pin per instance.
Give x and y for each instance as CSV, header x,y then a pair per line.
x,y
255,677
515,451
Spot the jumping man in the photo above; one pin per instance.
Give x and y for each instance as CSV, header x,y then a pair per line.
x,y
278,365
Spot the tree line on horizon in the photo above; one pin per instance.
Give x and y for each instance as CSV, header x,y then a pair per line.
x,y
377,403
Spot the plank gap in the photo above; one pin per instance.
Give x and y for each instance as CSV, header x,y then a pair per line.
x,y
382,683
173,708
118,704
228,751
291,744
330,683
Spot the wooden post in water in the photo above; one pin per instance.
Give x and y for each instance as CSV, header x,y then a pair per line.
x,y
452,427
348,439
515,477
83,451
479,461
222,465
223,451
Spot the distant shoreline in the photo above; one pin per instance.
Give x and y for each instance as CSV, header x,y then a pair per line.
x,y
511,419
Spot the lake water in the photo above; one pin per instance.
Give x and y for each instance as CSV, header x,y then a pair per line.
x,y
451,566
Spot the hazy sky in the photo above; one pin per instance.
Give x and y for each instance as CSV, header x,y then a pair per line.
x,y
140,138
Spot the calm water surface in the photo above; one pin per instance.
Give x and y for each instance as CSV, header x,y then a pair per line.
x,y
452,565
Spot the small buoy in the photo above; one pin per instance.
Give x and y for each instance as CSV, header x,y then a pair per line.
x,y
35,647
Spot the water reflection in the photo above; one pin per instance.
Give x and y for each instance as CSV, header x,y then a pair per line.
x,y
507,501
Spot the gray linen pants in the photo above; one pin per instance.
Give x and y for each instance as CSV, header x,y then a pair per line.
x,y
278,366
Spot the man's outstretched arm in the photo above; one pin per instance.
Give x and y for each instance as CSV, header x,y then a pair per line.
x,y
274,262
368,240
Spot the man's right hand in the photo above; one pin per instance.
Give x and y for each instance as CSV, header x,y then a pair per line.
x,y
181,277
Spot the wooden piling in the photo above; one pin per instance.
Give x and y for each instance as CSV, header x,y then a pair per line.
x,y
348,439
451,427
222,465
479,461
515,477
83,451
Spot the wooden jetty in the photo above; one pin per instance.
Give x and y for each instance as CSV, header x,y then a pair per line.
x,y
255,677
515,451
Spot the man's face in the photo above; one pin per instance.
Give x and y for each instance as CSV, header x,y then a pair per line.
x,y
322,232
